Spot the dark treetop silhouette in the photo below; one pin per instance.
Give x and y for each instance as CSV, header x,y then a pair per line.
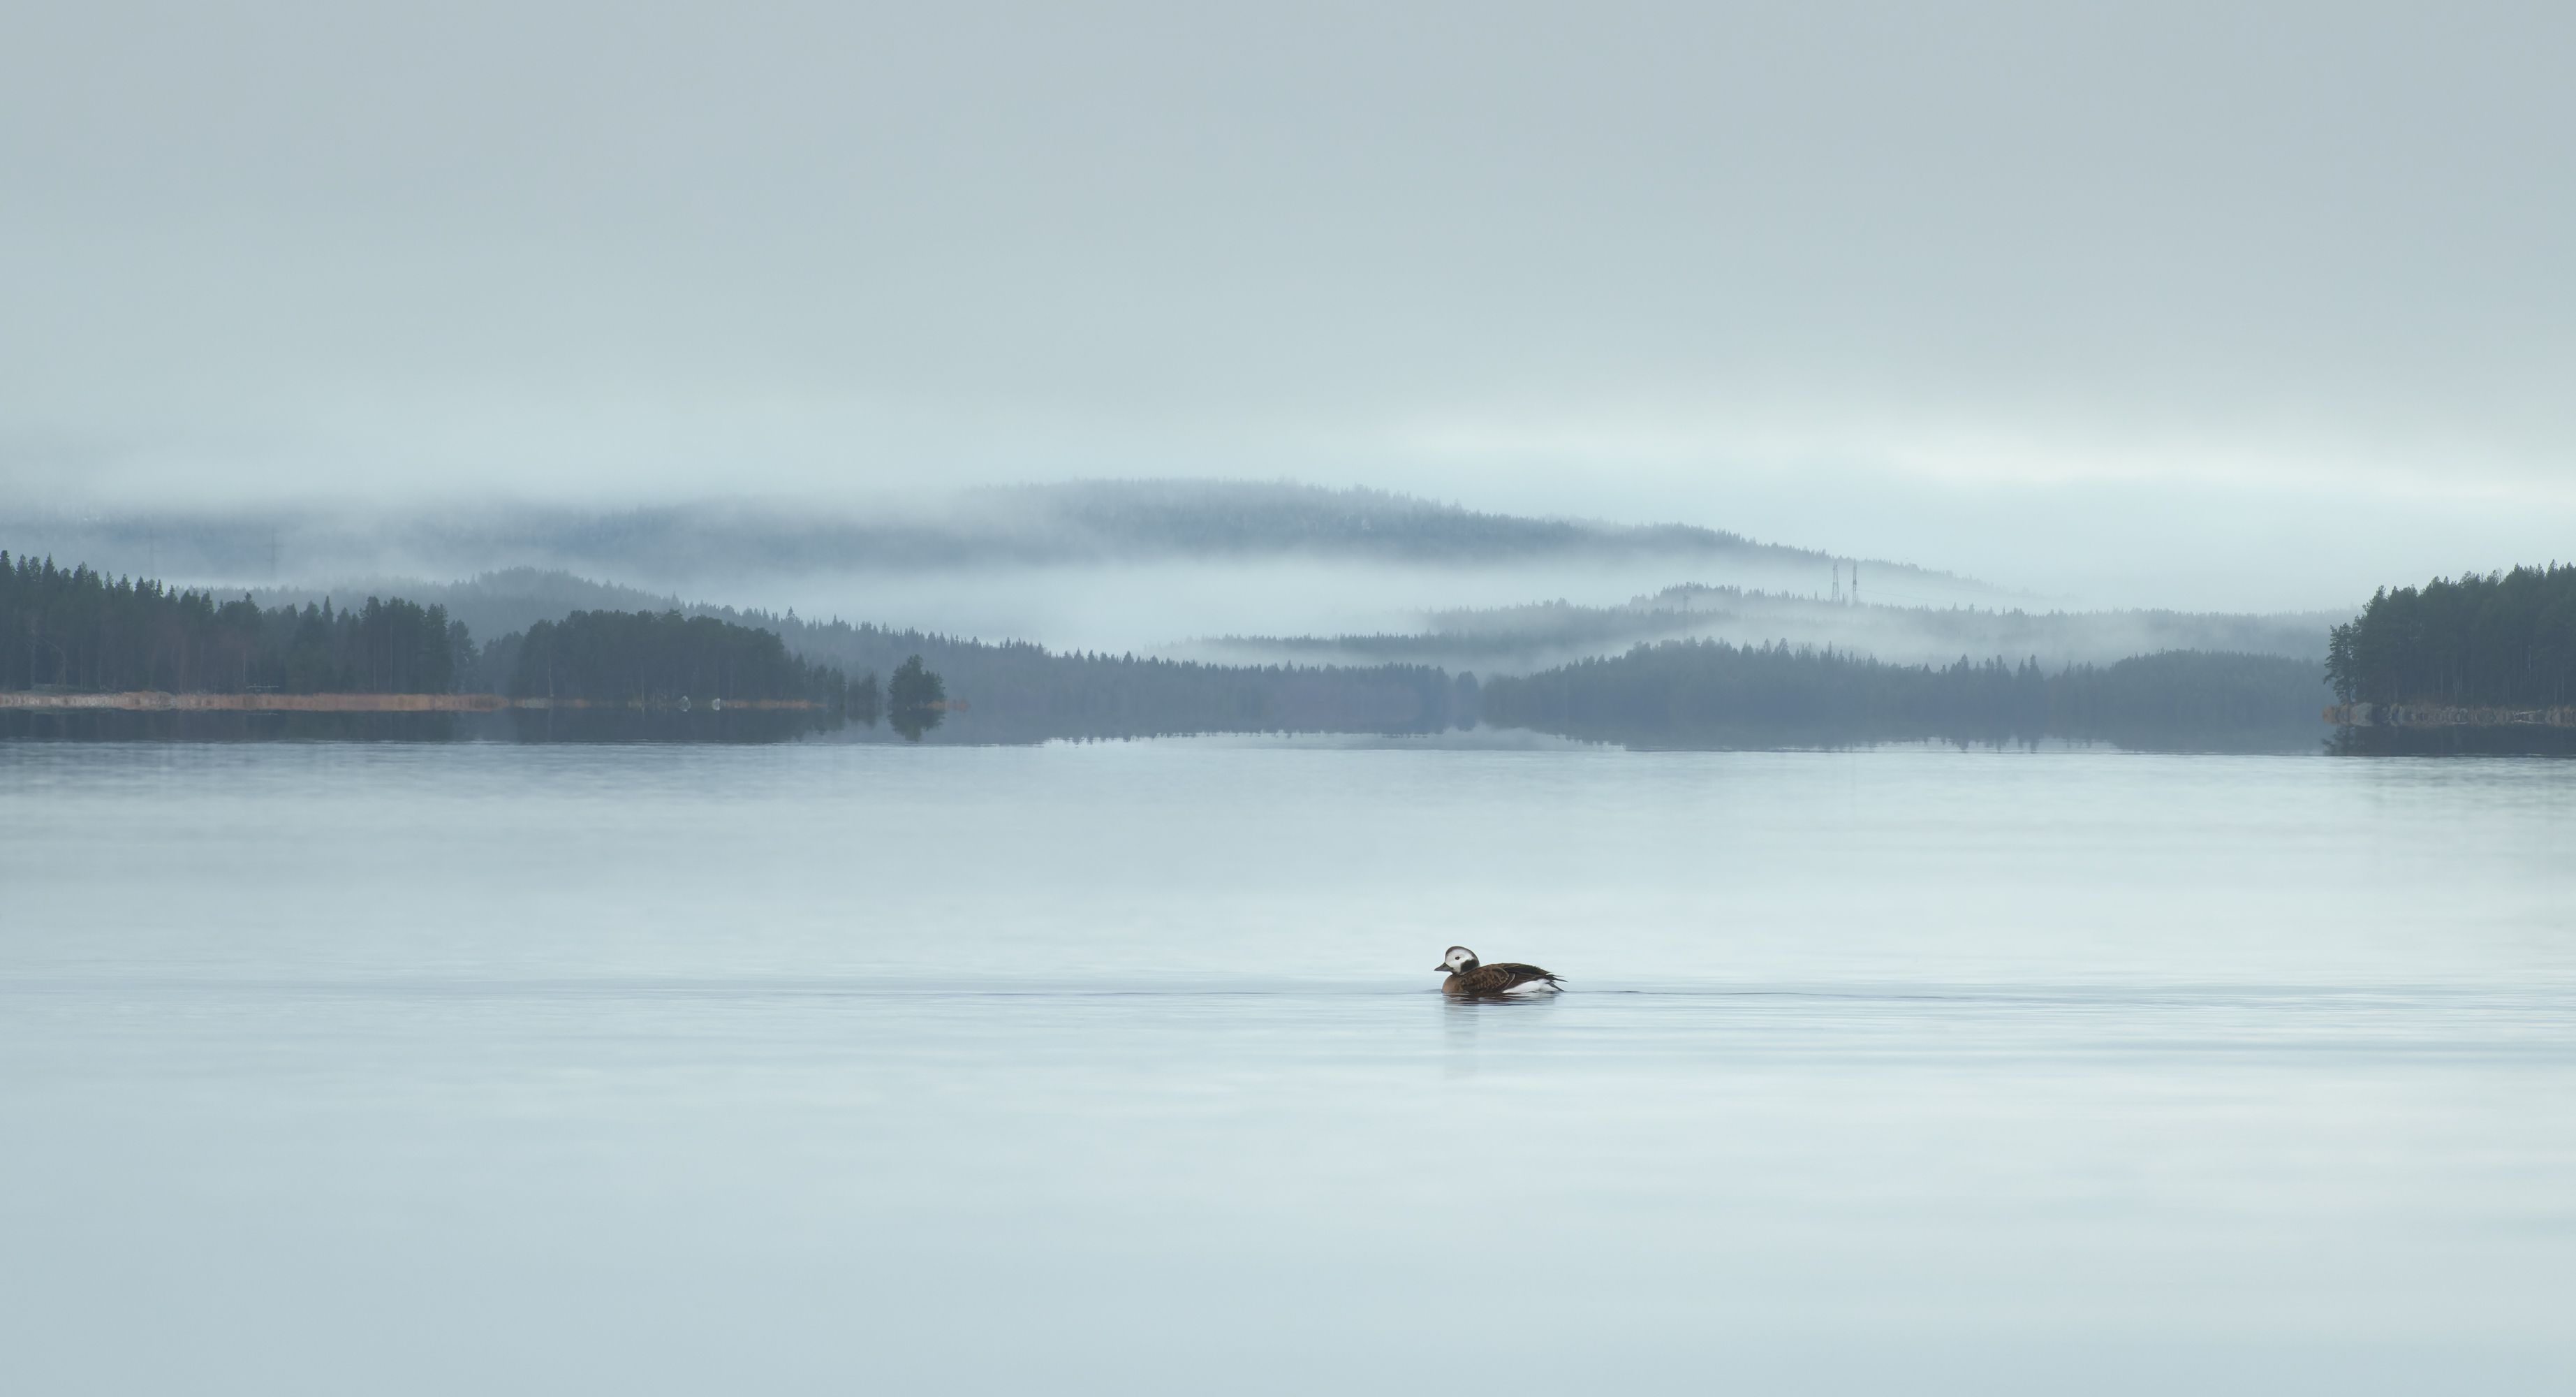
x,y
2501,638
78,629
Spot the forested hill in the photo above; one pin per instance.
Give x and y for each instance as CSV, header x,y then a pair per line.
x,y
493,603
1524,639
76,628
656,657
1209,517
2501,639
1017,692
1710,693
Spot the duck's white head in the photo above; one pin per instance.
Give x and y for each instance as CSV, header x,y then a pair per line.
x,y
1459,960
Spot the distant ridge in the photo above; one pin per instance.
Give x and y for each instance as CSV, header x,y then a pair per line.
x,y
492,603
1204,517
1081,522
1521,639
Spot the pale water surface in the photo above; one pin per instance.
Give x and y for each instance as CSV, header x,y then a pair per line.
x,y
391,1069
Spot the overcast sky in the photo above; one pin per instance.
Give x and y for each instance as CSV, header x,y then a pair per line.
x,y
2164,301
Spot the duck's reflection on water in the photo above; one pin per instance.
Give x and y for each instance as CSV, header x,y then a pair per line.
x,y
1460,1017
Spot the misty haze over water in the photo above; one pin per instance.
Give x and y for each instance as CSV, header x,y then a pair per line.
x,y
793,697
1200,569
1118,565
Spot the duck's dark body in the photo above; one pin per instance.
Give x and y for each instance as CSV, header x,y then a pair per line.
x,y
1472,981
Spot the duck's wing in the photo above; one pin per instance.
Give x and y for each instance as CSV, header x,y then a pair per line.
x,y
1507,975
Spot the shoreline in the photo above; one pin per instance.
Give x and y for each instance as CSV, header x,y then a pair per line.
x,y
157,701
2438,715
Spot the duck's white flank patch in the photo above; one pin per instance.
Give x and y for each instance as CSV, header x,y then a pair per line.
x,y
1535,987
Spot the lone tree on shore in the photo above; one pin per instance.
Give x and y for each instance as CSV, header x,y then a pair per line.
x,y
915,698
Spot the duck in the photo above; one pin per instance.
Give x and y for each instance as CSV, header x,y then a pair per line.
x,y
1470,978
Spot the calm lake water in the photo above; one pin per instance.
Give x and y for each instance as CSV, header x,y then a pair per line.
x,y
835,1068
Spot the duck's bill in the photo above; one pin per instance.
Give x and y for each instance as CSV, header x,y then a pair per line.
x,y
1440,967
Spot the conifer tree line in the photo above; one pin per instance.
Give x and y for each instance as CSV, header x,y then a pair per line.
x,y
2506,638
80,629
1688,690
87,631
2498,639
1023,691
659,658
76,628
